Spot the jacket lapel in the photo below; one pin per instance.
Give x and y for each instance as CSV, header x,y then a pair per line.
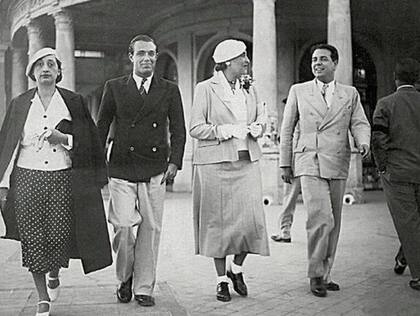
x,y
71,101
219,91
23,110
316,99
338,101
156,92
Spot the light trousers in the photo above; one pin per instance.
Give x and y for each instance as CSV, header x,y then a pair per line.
x,y
290,195
323,200
135,211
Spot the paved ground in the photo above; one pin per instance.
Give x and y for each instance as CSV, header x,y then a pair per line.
x,y
277,284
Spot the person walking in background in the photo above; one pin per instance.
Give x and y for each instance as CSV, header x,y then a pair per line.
x,y
52,171
325,110
227,119
140,161
395,145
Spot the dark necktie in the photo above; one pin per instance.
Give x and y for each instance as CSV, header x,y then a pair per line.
x,y
142,90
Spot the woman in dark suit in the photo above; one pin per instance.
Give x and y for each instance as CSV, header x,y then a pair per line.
x,y
51,171
226,120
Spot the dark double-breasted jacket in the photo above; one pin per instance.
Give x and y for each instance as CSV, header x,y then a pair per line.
x,y
141,148
90,240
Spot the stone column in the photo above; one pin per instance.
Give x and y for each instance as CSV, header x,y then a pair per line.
x,y
264,63
35,42
3,49
64,45
19,79
186,85
339,35
264,71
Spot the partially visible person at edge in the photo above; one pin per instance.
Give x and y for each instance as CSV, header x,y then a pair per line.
x,y
325,111
143,107
51,171
228,212
396,149
291,192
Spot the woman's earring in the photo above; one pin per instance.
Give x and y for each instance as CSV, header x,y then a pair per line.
x,y
228,63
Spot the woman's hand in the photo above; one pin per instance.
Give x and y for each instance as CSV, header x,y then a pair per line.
x,y
255,129
54,137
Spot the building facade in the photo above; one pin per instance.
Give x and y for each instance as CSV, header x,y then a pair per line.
x,y
91,38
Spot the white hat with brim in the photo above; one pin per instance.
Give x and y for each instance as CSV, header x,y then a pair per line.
x,y
37,56
227,50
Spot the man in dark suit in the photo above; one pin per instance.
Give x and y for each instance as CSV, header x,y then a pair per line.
x,y
396,134
140,161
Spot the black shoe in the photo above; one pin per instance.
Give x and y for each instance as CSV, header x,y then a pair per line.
x,y
223,292
331,286
124,292
318,287
238,282
279,238
145,300
400,266
415,284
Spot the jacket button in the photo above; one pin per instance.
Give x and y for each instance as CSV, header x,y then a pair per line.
x,y
154,149
154,124
133,125
131,148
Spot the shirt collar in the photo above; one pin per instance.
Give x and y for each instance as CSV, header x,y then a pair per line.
x,y
331,85
139,79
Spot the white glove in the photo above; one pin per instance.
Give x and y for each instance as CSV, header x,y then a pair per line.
x,y
240,131
255,129
225,131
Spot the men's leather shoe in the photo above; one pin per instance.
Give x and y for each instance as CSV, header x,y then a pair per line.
x,y
332,286
279,238
318,287
400,266
145,300
415,284
124,292
223,292
238,282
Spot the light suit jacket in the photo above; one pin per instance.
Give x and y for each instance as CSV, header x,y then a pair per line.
x,y
323,148
211,109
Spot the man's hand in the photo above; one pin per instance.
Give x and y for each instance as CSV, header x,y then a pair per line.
x,y
3,197
170,173
364,150
286,174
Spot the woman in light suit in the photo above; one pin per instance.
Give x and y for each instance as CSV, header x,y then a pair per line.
x,y
228,211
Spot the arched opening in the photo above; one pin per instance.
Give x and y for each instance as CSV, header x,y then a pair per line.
x,y
166,67
365,81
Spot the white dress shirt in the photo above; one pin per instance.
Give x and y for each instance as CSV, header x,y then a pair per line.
x,y
41,155
329,92
146,84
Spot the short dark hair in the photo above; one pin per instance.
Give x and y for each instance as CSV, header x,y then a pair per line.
x,y
220,66
407,70
137,38
59,77
332,49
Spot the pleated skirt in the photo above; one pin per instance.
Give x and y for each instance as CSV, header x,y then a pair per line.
x,y
44,217
228,209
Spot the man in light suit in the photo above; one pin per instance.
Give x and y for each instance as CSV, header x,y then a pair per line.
x,y
395,141
325,110
140,162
